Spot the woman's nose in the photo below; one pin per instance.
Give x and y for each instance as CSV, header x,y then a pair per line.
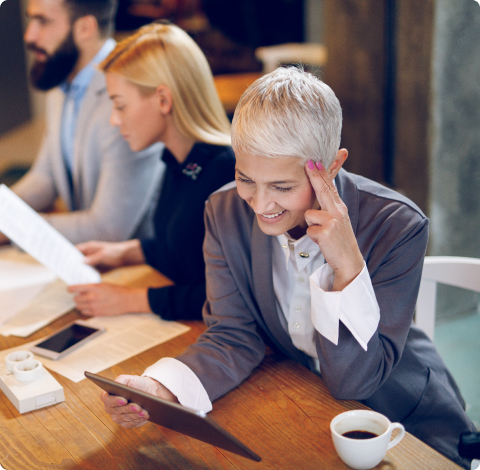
x,y
114,119
261,203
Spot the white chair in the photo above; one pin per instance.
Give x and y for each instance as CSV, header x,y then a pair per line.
x,y
451,270
291,53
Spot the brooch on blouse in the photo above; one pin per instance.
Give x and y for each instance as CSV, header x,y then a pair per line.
x,y
192,170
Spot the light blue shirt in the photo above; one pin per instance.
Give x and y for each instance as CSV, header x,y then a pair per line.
x,y
74,94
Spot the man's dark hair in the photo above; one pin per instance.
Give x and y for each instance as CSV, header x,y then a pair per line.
x,y
103,10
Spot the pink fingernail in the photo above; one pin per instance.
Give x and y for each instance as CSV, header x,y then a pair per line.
x,y
141,415
310,164
121,402
133,408
319,166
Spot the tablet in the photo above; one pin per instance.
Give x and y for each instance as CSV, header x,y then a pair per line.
x,y
176,417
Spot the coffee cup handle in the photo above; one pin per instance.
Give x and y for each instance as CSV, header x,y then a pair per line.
x,y
398,437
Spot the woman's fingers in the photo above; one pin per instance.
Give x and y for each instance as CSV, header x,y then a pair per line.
x,y
98,299
109,299
330,228
105,254
128,415
325,190
131,415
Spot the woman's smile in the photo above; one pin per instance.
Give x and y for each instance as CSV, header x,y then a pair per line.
x,y
277,189
273,216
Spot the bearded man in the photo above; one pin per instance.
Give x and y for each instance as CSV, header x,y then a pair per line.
x,y
109,191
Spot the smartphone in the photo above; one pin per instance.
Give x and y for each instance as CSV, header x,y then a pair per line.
x,y
66,340
173,416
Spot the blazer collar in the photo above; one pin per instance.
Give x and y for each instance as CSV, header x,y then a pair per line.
x,y
96,88
55,102
348,192
262,270
264,294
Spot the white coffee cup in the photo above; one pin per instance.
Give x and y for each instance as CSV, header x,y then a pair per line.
x,y
363,454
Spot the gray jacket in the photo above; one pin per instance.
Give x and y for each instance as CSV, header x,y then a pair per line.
x,y
400,375
114,189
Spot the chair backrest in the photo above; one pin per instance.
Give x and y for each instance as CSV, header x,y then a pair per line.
x,y
291,53
451,270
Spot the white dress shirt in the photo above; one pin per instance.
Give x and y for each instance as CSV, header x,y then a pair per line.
x,y
302,282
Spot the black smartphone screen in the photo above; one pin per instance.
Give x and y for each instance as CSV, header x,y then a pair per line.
x,y
67,338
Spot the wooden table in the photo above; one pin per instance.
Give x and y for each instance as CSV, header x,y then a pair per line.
x,y
282,412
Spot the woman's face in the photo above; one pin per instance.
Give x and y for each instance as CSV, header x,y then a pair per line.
x,y
278,190
136,114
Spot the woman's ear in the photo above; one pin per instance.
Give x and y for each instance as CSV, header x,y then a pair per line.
x,y
335,166
164,97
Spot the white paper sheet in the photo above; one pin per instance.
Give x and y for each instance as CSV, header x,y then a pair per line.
x,y
35,297
126,336
14,274
20,283
15,300
51,303
32,233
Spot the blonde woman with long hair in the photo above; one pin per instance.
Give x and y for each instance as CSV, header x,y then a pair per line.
x,y
162,90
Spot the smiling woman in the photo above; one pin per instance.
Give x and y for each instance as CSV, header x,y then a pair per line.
x,y
297,215
278,191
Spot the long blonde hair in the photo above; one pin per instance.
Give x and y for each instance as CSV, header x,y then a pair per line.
x,y
163,54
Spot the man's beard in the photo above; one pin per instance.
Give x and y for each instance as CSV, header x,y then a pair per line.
x,y
58,66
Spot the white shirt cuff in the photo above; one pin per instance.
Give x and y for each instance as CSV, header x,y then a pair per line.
x,y
182,382
356,306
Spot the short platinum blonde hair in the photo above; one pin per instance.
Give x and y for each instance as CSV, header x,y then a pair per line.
x,y
288,113
163,54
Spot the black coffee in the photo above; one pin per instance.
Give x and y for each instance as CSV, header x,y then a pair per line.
x,y
360,434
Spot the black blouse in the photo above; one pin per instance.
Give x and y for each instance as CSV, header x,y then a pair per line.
x,y
176,250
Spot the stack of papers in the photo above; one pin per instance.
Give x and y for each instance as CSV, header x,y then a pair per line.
x,y
33,234
20,283
125,337
31,295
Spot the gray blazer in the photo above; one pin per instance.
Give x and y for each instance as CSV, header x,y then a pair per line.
x,y
401,373
114,189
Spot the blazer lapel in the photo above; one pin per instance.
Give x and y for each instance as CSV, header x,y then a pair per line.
x,y
261,245
261,252
348,193
96,88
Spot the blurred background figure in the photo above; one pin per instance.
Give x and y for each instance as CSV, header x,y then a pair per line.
x,y
108,190
163,91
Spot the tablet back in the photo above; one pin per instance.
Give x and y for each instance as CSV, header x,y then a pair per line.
x,y
176,417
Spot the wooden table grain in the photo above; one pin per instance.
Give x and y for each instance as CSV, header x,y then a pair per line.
x,y
282,412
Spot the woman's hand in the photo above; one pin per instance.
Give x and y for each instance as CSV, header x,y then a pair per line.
x,y
331,229
109,299
131,415
112,255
